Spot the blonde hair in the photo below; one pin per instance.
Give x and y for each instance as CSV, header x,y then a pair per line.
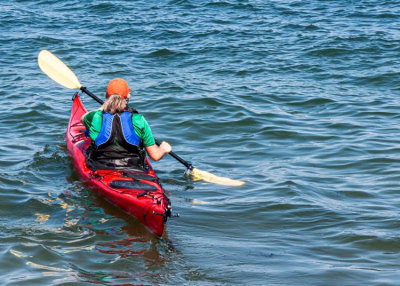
x,y
114,104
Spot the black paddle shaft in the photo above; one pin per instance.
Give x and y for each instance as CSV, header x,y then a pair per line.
x,y
176,157
85,90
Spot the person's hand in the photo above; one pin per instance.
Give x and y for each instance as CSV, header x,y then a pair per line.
x,y
165,147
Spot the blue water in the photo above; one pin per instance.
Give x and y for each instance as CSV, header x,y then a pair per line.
x,y
300,99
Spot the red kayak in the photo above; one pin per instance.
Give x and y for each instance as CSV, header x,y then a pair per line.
x,y
138,193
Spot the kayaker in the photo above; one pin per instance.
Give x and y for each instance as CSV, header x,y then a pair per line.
x,y
118,134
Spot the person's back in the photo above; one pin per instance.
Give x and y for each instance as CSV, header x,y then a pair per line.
x,y
119,134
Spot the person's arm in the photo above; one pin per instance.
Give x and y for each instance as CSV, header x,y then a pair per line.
x,y
153,151
157,152
83,116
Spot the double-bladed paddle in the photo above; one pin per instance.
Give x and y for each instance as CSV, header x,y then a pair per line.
x,y
54,68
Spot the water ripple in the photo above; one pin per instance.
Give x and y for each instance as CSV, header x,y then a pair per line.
x,y
299,99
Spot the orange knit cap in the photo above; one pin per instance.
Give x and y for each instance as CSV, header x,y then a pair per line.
x,y
118,86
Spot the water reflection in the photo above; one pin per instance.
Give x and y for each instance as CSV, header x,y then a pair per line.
x,y
119,238
95,240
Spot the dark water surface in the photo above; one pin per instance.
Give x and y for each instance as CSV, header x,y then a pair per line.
x,y
298,98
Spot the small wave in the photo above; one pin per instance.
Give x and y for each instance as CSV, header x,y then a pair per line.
x,y
330,52
114,52
206,33
381,79
106,7
312,102
374,15
163,53
229,4
186,3
250,72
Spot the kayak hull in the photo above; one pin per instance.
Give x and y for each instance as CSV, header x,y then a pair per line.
x,y
137,193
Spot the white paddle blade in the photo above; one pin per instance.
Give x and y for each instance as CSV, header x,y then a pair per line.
x,y
197,202
54,68
208,177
